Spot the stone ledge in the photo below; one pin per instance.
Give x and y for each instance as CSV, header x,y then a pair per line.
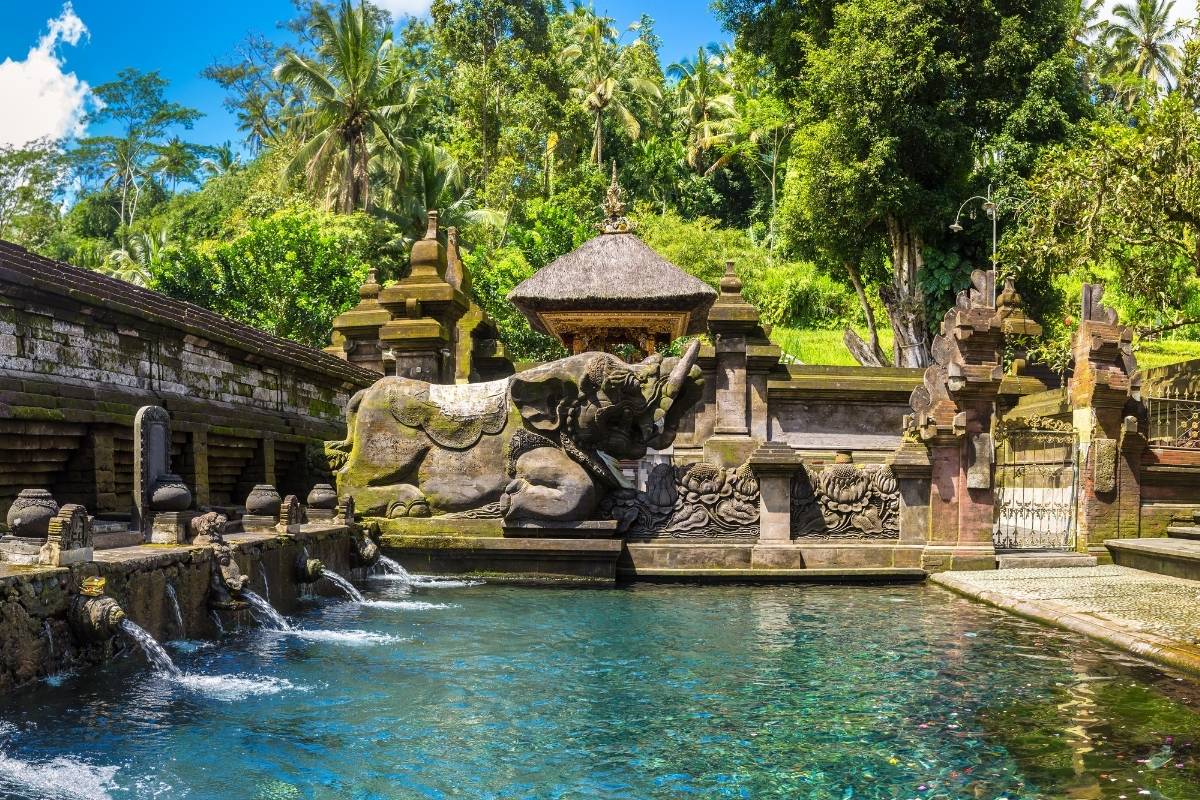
x,y
1179,558
814,575
541,557
1076,617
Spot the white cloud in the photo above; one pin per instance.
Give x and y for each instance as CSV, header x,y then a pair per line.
x,y
402,8
38,97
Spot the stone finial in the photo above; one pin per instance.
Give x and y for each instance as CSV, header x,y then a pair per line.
x,y
614,208
1105,369
369,290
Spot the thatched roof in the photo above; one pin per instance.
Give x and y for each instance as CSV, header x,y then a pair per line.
x,y
614,272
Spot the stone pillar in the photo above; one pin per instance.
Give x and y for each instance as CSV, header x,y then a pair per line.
x,y
151,460
741,345
199,445
1103,382
355,336
775,464
953,416
910,463
104,466
424,310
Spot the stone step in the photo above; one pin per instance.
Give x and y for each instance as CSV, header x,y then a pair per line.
x,y
751,575
1183,531
1043,560
1179,558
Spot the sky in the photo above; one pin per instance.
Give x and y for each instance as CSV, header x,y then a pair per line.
x,y
52,53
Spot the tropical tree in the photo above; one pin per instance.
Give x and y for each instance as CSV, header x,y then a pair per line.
x,y
177,161
600,78
1144,40
704,100
135,102
360,101
220,160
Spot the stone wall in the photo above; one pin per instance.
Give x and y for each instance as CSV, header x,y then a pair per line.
x,y
81,352
36,640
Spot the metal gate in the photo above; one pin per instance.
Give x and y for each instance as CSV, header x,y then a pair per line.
x,y
1036,485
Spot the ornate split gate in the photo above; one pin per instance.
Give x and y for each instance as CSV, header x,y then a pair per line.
x,y
1036,483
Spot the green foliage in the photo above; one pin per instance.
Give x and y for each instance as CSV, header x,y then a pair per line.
x,y
289,274
493,276
796,294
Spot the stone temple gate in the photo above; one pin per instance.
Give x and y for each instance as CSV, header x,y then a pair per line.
x,y
724,462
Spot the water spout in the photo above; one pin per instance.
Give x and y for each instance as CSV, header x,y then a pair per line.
x,y
175,611
265,581
49,636
158,657
259,606
392,567
344,585
216,618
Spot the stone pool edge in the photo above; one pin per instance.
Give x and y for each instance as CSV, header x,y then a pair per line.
x,y
1159,649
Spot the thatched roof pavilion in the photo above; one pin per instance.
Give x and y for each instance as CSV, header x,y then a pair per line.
x,y
614,289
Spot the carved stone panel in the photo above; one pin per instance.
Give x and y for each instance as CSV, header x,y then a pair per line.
x,y
699,500
846,501
69,540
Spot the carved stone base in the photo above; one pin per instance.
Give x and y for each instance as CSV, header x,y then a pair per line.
x,y
20,550
53,556
171,527
589,529
258,523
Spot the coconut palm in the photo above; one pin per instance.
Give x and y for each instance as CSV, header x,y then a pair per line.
x,y
360,102
176,161
705,99
1143,40
600,77
221,160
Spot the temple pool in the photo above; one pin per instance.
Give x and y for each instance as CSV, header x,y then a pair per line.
x,y
643,692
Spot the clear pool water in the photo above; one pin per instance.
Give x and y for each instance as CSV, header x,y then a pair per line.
x,y
644,692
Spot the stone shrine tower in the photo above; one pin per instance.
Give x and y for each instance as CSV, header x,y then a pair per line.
x,y
614,290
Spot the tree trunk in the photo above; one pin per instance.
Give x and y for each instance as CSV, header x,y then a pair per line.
x,y
869,313
904,300
598,144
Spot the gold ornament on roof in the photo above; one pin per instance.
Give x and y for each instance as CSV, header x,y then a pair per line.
x,y
614,208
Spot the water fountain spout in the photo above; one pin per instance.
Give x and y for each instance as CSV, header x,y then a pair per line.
x,y
93,615
309,570
366,552
227,583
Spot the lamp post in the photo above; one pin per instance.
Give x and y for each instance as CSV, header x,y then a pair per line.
x,y
993,211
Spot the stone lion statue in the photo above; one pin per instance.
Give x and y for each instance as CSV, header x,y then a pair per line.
x,y
540,445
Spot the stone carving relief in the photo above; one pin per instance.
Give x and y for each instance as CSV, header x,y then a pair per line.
x,y
846,501
69,539
693,500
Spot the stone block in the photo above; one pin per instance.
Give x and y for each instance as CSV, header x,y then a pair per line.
x,y
171,527
588,529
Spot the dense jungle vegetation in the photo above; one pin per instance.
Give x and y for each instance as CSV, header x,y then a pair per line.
x,y
826,152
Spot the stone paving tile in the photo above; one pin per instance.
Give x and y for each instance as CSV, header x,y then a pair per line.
x,y
1131,599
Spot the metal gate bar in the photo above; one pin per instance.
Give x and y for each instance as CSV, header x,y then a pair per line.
x,y
1036,489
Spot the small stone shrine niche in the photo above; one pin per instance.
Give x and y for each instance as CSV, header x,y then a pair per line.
x,y
291,515
161,499
69,537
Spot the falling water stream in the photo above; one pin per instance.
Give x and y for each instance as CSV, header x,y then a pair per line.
x,y
392,567
267,611
344,585
175,612
154,652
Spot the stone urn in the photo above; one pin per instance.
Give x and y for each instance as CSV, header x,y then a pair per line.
x,y
322,496
263,501
170,493
30,514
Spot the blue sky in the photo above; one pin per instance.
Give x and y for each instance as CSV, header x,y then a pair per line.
x,y
50,53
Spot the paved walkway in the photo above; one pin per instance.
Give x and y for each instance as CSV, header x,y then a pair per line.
x,y
1153,616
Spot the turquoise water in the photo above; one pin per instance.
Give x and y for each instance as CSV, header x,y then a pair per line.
x,y
642,692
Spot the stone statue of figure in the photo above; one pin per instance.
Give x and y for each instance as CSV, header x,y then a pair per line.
x,y
227,580
542,445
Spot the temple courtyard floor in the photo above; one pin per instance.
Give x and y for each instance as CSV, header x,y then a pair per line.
x,y
1153,616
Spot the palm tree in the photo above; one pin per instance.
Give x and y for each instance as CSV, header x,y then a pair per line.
x,y
220,160
178,161
1143,38
705,99
360,102
600,78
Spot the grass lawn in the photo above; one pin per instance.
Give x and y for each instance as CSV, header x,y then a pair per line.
x,y
821,346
